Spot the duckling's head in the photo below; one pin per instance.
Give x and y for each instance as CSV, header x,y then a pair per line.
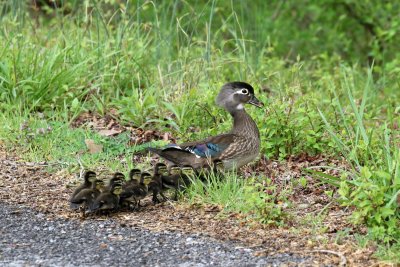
x,y
188,170
116,183
99,184
116,189
146,178
218,165
174,170
134,174
90,176
118,179
234,95
160,168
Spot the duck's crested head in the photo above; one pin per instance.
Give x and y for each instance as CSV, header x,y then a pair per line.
x,y
234,95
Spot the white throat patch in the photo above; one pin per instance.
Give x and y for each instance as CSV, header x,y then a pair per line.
x,y
239,107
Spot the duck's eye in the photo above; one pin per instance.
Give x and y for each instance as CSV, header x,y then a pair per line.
x,y
245,91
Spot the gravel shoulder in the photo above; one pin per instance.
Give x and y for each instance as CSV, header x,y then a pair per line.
x,y
30,238
38,228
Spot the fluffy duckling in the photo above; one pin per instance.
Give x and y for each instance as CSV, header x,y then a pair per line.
x,y
88,178
131,188
141,190
134,176
172,180
156,183
188,174
85,198
109,199
218,169
178,178
118,178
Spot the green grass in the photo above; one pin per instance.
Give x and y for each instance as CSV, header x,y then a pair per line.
x,y
160,65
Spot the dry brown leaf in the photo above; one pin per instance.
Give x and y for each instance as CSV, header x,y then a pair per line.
x,y
93,147
110,132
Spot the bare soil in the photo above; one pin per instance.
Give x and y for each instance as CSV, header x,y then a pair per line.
x,y
30,185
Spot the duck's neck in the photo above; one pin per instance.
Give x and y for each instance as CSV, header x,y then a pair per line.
x,y
243,124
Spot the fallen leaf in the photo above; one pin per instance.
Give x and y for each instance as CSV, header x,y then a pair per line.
x,y
110,132
93,147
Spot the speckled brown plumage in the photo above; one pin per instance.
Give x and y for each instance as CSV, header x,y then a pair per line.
x,y
236,148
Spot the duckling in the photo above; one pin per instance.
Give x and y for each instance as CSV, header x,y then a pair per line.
x,y
218,169
88,178
109,199
215,170
134,176
188,174
156,183
172,180
127,197
142,189
118,178
178,178
132,194
85,197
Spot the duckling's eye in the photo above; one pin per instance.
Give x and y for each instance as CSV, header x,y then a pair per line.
x,y
245,91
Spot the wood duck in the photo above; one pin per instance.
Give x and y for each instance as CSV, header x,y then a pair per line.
x,y
118,178
109,199
86,197
156,184
218,169
236,148
88,178
187,176
172,180
132,189
178,178
134,176
139,191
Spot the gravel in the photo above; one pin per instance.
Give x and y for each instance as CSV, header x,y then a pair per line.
x,y
30,238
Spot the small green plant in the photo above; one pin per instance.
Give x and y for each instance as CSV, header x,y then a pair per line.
x,y
235,194
373,194
371,187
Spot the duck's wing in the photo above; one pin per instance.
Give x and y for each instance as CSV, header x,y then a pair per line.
x,y
193,153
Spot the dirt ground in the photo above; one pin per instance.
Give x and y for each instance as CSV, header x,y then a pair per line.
x,y
28,184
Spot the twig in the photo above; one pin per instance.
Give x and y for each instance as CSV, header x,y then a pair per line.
x,y
82,170
209,113
343,260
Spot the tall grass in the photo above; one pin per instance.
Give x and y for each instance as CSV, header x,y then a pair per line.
x,y
373,184
160,64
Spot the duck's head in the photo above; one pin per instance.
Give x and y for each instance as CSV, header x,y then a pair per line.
x,y
146,178
234,95
160,168
134,174
218,165
116,188
118,178
90,176
99,184
188,170
174,170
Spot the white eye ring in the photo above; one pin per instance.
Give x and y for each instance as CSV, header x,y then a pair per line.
x,y
244,91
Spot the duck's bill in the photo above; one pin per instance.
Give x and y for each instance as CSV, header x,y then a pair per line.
x,y
255,102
